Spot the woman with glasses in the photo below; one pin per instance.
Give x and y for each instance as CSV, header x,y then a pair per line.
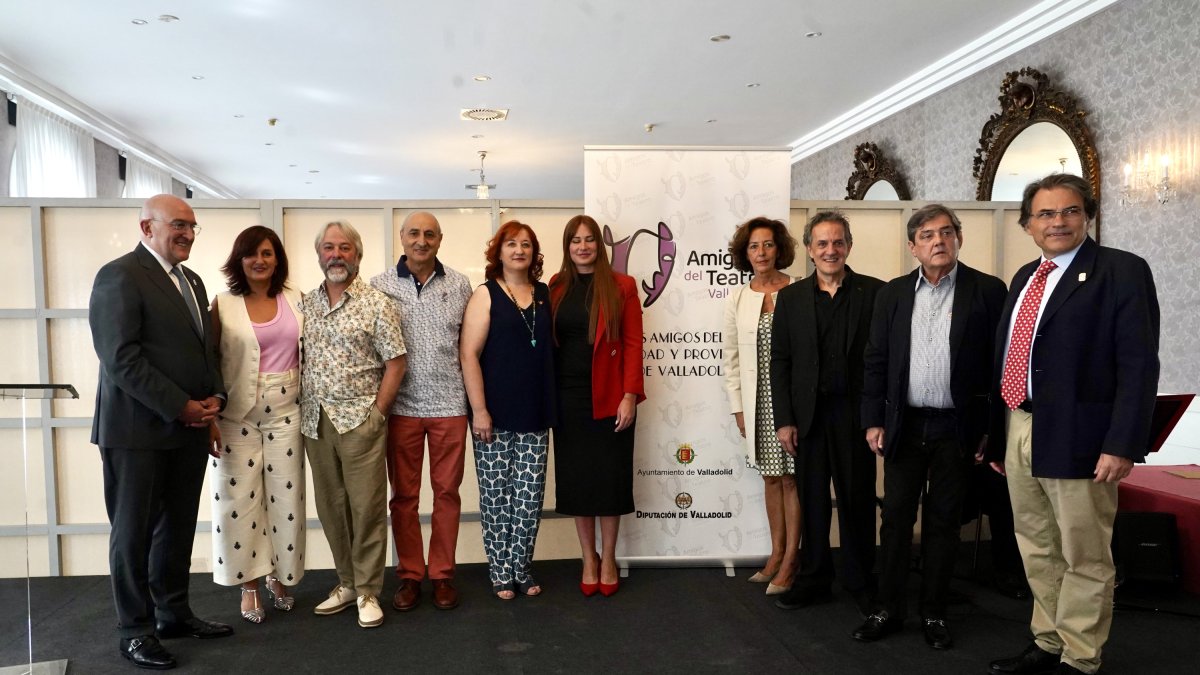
x,y
258,480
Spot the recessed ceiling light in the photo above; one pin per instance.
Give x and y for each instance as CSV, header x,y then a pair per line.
x,y
709,121
167,18
139,22
314,171
476,135
292,166
308,182
719,38
268,143
197,77
482,78
753,85
238,116
813,34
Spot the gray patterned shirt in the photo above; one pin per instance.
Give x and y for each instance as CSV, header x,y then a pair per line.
x,y
929,348
344,349
431,316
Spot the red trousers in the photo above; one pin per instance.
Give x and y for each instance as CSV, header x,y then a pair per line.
x,y
406,450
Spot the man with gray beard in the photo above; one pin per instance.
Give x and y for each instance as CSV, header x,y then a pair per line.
x,y
353,362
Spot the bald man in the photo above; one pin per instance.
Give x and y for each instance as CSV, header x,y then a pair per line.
x,y
431,406
159,391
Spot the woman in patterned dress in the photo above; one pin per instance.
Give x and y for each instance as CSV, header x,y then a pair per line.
x,y
508,369
763,247
258,481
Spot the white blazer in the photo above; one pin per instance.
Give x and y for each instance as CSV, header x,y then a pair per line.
x,y
740,337
240,351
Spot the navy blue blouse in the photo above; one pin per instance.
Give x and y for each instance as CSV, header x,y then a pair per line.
x,y
518,368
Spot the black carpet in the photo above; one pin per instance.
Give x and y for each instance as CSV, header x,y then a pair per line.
x,y
663,620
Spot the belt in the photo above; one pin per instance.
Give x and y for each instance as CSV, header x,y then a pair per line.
x,y
1026,406
930,412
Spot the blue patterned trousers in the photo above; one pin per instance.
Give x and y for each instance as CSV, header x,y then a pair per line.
x,y
512,480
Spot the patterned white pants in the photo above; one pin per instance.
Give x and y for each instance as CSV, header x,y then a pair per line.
x,y
258,488
512,481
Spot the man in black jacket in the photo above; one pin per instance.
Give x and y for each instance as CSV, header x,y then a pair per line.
x,y
925,411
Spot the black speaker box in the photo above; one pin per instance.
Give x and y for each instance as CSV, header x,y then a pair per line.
x,y
1146,547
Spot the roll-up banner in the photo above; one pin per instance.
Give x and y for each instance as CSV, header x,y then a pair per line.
x,y
667,214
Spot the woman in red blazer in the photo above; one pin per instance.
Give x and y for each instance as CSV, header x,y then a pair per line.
x,y
598,353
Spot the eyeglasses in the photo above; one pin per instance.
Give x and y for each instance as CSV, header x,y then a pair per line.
x,y
1071,213
179,226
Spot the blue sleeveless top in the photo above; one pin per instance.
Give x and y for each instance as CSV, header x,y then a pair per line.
x,y
518,377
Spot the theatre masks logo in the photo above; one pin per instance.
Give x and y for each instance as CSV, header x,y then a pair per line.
x,y
621,248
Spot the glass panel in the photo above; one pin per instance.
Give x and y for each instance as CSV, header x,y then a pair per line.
x,y
1019,247
979,241
300,228
16,238
20,362
73,361
212,245
881,191
13,556
78,470
878,249
84,554
14,479
78,241
465,234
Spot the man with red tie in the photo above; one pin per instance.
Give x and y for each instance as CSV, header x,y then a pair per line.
x,y
1077,350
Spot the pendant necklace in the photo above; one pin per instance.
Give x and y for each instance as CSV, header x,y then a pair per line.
x,y
533,306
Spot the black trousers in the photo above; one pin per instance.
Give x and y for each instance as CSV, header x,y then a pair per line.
x,y
929,449
152,497
989,494
835,451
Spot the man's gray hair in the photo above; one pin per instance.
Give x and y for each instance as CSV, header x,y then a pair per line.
x,y
347,229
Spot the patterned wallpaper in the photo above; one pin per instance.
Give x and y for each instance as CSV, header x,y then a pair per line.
x,y
1133,67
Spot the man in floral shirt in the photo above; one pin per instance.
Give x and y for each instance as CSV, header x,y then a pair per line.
x,y
354,358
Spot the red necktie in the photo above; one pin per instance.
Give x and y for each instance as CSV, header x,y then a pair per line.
x,y
1016,366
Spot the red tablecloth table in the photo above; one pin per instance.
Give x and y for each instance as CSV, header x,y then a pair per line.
x,y
1152,488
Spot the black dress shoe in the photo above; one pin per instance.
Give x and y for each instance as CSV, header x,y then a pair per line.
x,y
937,635
1032,661
146,652
877,626
800,597
195,627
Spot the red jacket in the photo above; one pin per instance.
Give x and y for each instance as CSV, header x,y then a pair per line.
x,y
616,365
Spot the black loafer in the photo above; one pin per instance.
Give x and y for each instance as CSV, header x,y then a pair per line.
x,y
1032,661
195,627
800,597
877,626
937,635
146,652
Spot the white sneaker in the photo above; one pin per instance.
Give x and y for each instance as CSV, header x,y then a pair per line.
x,y
339,598
369,613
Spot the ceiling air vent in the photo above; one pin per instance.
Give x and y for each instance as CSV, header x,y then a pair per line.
x,y
484,114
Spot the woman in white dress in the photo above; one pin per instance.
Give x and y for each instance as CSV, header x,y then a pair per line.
x,y
763,247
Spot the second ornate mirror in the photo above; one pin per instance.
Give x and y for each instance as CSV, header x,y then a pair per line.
x,y
874,177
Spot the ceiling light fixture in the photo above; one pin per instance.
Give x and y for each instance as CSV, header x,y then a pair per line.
x,y
238,116
482,78
139,22
709,121
484,114
476,135
752,85
719,38
197,77
481,188
167,18
813,34
314,171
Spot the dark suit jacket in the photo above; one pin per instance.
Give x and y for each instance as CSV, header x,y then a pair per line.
x,y
795,351
978,299
1094,364
152,360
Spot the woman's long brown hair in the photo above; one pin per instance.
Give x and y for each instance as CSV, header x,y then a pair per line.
x,y
605,297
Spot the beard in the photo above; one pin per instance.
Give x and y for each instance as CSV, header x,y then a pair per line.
x,y
339,272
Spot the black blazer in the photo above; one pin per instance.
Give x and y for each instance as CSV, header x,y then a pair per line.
x,y
152,360
978,299
1094,364
795,352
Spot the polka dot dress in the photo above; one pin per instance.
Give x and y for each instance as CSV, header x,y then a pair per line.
x,y
769,456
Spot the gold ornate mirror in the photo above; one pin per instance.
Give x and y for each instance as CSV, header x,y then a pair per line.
x,y
1039,130
874,176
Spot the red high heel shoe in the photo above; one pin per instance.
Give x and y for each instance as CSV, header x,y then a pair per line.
x,y
588,590
609,590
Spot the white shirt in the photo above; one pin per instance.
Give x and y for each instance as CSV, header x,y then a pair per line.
x,y
1063,261
167,267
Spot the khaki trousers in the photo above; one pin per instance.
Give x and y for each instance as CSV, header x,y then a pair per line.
x,y
1064,531
349,474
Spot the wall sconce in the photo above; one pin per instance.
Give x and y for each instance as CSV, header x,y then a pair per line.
x,y
481,188
1146,182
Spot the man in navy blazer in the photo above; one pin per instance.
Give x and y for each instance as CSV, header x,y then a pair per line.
x,y
159,390
1070,415
928,372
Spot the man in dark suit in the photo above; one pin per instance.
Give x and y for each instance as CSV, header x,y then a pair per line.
x,y
924,407
160,388
1077,360
818,336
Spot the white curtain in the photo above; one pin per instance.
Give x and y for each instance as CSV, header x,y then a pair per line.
x,y
143,179
53,157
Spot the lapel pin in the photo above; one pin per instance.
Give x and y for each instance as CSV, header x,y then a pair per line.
x,y
1082,277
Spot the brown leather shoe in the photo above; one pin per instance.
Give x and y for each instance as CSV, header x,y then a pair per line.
x,y
444,595
408,595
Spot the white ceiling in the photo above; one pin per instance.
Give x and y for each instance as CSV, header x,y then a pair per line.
x,y
368,93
